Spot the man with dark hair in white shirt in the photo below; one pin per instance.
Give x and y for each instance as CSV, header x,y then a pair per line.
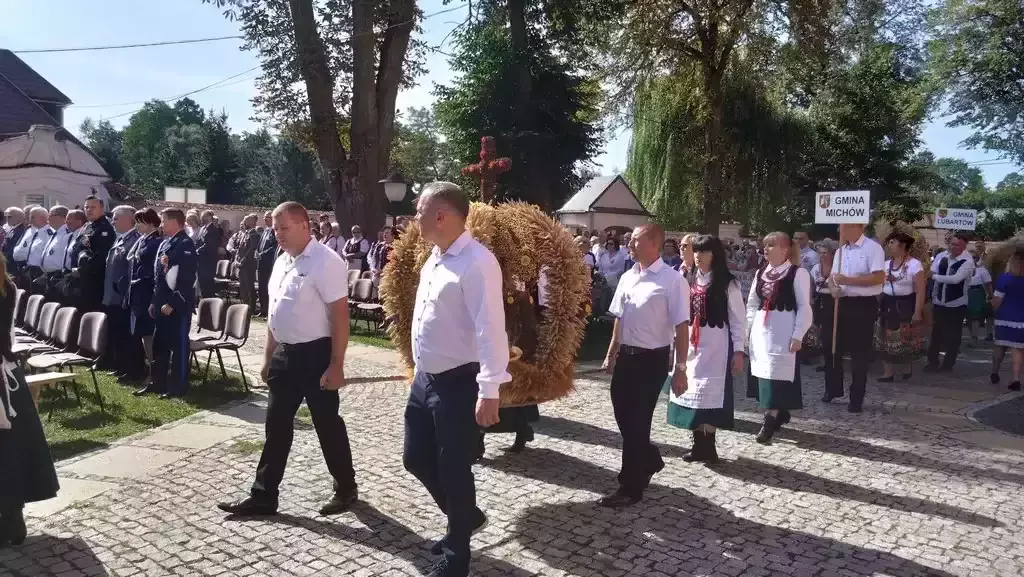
x,y
461,353
652,310
951,275
303,359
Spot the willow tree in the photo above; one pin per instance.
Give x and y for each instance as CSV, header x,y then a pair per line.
x,y
761,146
659,37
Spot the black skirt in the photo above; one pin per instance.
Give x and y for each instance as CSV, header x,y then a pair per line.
x,y
27,474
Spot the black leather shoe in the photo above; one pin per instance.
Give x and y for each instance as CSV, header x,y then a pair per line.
x,y
340,502
148,389
478,525
522,438
764,436
1014,386
12,527
697,451
854,408
249,506
618,500
480,449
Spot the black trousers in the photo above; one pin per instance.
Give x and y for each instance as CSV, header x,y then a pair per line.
x,y
204,276
125,353
947,333
636,385
262,281
294,374
171,352
855,336
441,434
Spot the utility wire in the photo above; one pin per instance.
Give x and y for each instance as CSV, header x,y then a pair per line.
x,y
120,46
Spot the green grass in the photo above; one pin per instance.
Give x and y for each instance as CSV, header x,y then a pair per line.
x,y
75,428
247,447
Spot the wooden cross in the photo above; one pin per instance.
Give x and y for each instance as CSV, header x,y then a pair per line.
x,y
488,169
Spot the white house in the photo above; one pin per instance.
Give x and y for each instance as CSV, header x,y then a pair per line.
x,y
43,168
604,202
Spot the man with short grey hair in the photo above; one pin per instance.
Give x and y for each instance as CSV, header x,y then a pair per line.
x,y
28,255
126,354
14,229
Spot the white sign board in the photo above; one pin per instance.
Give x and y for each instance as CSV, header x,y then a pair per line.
x,y
843,207
956,218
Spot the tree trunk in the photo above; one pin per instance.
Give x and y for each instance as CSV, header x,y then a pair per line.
x,y
320,90
713,128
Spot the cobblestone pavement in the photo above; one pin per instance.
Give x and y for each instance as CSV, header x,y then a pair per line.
x,y
911,487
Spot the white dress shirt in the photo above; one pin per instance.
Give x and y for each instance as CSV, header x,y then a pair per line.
x,y
650,304
55,253
981,275
301,292
860,258
962,276
459,317
33,243
901,282
808,258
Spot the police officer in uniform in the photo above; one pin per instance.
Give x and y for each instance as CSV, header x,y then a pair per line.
x,y
266,254
55,255
90,252
303,359
125,353
173,302
142,260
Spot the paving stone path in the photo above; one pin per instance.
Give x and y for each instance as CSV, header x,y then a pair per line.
x,y
911,487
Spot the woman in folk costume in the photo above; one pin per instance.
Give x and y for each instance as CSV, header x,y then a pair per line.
x,y
979,295
1008,302
778,314
688,270
821,299
718,330
902,312
26,467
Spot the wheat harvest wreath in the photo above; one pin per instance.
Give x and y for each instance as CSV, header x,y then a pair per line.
x,y
524,240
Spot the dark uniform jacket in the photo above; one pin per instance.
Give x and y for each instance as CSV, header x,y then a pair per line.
x,y
245,250
266,249
118,270
12,240
90,255
142,262
208,244
176,251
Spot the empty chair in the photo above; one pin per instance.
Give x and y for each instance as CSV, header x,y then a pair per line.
x,y
33,304
209,324
19,306
367,274
92,344
65,326
43,333
361,302
223,269
353,276
236,333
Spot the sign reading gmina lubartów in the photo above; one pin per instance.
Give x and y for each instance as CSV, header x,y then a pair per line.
x,y
956,218
843,207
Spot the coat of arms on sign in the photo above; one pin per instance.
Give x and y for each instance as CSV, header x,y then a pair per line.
x,y
943,212
826,200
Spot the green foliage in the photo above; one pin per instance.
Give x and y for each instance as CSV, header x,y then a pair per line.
x,y
977,60
549,134
105,141
420,152
144,142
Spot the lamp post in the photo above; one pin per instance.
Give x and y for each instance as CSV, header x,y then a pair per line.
x,y
395,188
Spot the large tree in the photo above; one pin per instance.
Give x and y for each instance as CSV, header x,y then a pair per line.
x,y
519,82
106,143
977,58
349,57
144,140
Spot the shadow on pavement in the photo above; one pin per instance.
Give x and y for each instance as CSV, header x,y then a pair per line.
x,y
677,533
48,555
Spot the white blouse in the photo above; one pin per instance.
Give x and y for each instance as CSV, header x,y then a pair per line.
x,y
771,332
981,275
611,265
818,282
900,281
708,364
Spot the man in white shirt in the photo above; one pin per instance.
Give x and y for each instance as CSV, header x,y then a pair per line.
x,y
303,359
855,288
652,310
951,275
808,256
461,353
29,253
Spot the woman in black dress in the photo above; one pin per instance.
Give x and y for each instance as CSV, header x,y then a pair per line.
x,y
27,474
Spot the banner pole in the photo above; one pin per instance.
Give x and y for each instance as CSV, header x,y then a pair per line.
x,y
835,301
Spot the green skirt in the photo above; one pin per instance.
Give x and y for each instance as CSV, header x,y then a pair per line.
x,y
687,418
978,307
775,394
27,473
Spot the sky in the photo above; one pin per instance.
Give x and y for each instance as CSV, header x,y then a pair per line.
x,y
111,84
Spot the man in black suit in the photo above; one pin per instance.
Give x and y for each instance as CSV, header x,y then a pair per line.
x,y
266,254
207,247
91,250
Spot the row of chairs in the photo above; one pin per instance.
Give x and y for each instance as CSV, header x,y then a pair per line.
x,y
363,301
220,327
51,338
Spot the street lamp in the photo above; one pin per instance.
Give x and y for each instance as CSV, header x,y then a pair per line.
x,y
395,186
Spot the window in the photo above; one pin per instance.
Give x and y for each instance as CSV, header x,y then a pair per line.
x,y
39,199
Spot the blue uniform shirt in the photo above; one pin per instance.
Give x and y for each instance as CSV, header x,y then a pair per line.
x,y
142,258
176,251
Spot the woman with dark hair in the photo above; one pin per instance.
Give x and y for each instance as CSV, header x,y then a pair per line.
x,y
142,260
902,309
27,474
611,263
779,314
718,330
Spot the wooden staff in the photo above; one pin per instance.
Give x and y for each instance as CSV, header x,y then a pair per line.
x,y
836,269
